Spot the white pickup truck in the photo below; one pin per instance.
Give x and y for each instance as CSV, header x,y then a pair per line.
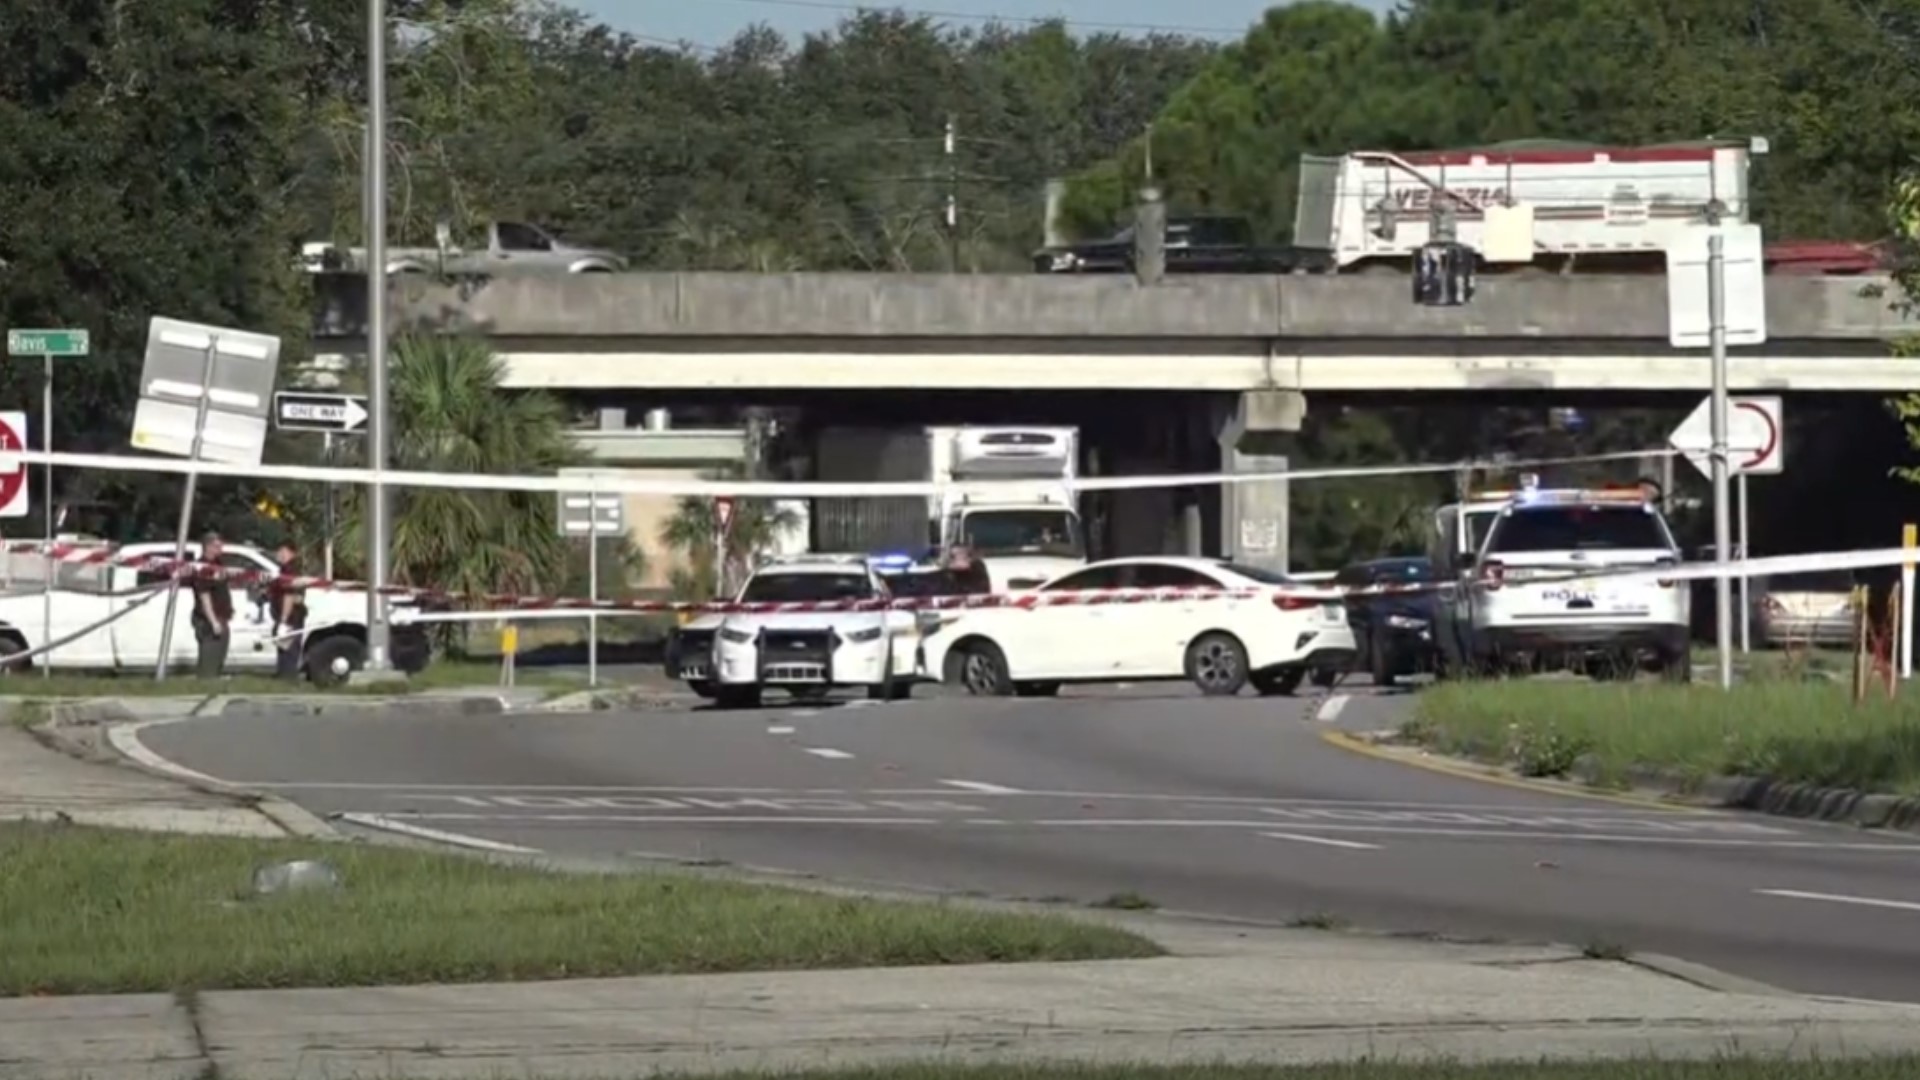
x,y
85,594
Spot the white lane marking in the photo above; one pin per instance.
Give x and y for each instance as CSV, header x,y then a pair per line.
x,y
666,819
780,729
1836,898
1327,840
1330,709
126,739
1110,823
1582,807
387,823
982,787
827,752
804,713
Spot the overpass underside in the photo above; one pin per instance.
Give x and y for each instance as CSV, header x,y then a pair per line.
x,y
585,365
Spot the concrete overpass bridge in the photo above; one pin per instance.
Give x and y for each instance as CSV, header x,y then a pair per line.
x,y
691,332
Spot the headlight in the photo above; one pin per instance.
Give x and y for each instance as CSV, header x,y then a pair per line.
x,y
738,637
872,633
1406,622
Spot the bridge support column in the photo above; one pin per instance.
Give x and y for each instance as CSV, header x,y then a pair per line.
x,y
1255,437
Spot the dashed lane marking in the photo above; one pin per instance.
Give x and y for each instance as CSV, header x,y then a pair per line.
x,y
1838,898
392,824
827,752
1331,708
1326,841
982,787
780,729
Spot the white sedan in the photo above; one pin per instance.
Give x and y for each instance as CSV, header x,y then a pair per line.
x,y
1270,634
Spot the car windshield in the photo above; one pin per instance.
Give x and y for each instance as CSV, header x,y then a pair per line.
x,y
1022,532
794,588
1578,528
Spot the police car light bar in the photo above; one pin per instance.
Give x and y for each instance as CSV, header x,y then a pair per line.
x,y
816,559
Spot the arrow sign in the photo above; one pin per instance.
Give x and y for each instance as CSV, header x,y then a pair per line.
x,y
1756,445
340,414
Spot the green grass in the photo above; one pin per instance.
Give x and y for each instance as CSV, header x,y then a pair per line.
x,y
103,911
1798,732
1904,1067
440,675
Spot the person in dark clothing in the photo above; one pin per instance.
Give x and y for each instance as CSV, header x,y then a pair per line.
x,y
966,573
212,609
289,606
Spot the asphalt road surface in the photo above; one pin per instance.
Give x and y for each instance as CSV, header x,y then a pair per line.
x,y
1233,807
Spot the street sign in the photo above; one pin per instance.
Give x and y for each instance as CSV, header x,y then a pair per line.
x,y
15,500
233,370
723,512
591,515
1756,437
47,343
337,414
1689,317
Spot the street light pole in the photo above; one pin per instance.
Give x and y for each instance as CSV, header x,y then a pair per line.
x,y
377,433
1717,409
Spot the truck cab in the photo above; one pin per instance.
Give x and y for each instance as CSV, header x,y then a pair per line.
x,y
1506,564
1028,530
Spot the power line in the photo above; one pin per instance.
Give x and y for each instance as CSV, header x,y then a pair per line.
x,y
1033,20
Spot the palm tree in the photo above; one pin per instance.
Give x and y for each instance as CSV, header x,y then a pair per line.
x,y
450,415
694,527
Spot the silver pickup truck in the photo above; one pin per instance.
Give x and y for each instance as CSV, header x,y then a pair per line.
x,y
510,247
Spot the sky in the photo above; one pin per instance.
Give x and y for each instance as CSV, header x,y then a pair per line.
x,y
712,22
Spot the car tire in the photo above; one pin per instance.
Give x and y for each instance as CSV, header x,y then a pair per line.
x,y
331,661
702,688
1277,683
1217,664
1036,689
11,646
981,669
736,697
1325,678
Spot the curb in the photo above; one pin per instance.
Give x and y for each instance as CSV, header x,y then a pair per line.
x,y
106,715
582,701
1669,789
462,705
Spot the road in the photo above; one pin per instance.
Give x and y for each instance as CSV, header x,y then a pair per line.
x,y
1234,807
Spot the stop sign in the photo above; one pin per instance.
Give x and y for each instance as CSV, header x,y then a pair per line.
x,y
14,498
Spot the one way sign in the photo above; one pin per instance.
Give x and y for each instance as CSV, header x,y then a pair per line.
x,y
340,414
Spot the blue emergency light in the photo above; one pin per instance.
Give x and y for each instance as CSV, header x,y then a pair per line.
x,y
891,561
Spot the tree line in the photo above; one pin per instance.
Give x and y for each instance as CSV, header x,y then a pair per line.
x,y
169,157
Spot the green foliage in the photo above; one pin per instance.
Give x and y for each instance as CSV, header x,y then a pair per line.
x,y
693,530
449,415
1903,218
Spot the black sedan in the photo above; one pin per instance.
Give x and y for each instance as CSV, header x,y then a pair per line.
x,y
1393,632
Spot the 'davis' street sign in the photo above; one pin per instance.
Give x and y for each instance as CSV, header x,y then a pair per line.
x,y
340,414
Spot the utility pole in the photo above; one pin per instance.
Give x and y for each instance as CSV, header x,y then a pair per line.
x,y
953,194
1717,408
378,527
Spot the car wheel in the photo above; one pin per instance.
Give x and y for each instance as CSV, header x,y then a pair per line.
x,y
736,697
981,668
1277,683
11,646
1217,664
331,661
1037,689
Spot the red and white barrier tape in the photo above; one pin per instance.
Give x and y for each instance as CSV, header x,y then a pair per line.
x,y
1781,565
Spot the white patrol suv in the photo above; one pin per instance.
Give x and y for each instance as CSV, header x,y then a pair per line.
x,y
1507,601
810,653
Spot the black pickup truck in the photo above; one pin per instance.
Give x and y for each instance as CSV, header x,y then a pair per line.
x,y
1195,244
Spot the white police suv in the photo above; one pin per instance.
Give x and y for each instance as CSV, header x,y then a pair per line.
x,y
1509,601
808,653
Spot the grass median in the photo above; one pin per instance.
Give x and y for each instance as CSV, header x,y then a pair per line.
x,y
1902,1067
103,911
1794,732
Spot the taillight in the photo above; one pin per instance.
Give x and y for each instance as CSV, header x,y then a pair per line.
x,y
1493,573
1285,602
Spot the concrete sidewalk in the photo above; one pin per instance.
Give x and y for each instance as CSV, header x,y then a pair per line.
x,y
40,783
1272,996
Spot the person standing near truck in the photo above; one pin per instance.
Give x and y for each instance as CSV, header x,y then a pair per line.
x,y
212,609
289,606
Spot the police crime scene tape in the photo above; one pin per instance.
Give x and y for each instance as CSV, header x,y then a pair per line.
x,y
508,603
